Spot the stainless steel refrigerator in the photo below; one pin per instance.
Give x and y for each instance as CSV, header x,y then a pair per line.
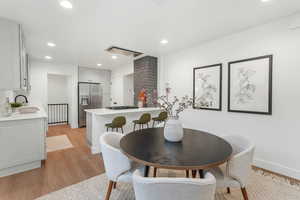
x,y
90,96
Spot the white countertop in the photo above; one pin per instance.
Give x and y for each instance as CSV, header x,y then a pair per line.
x,y
17,116
105,111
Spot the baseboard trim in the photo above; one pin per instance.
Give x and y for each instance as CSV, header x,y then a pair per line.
x,y
95,150
277,169
20,168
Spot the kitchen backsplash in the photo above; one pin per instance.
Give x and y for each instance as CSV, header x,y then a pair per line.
x,y
3,95
2,100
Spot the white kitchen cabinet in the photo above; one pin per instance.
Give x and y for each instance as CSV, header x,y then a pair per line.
x,y
22,145
24,59
13,59
102,76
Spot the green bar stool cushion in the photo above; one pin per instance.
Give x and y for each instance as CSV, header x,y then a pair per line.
x,y
144,120
118,122
162,117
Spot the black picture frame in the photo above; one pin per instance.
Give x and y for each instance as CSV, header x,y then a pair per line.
x,y
220,66
269,112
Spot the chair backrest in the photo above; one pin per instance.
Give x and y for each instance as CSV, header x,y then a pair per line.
x,y
145,118
163,116
115,162
119,121
173,188
239,166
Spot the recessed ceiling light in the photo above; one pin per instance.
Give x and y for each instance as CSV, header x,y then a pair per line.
x,y
114,57
99,65
164,41
265,0
51,44
48,57
66,4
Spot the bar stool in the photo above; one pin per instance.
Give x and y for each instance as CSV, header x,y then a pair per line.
x,y
162,117
118,122
144,120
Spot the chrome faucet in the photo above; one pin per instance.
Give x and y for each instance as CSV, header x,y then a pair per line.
x,y
16,98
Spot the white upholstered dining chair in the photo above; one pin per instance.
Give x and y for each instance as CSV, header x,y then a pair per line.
x,y
118,167
174,188
238,168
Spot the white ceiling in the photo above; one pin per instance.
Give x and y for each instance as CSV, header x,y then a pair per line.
x,y
83,33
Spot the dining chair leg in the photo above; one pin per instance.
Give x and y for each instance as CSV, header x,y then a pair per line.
x,y
147,125
228,190
107,129
154,172
244,192
134,127
109,189
194,173
146,172
115,185
201,173
153,124
122,129
187,173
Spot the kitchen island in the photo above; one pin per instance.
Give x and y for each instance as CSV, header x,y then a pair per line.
x,y
97,118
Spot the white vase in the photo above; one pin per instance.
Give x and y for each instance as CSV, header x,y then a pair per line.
x,y
140,104
173,130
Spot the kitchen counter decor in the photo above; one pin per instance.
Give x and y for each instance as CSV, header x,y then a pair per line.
x,y
173,131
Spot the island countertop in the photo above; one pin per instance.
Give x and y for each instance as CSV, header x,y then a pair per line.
x,y
106,111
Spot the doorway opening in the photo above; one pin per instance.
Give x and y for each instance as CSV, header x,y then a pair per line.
x,y
128,90
59,99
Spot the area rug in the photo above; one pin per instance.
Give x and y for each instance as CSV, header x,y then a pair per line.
x,y
56,143
261,187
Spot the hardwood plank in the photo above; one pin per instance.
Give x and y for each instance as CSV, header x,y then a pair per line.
x,y
61,169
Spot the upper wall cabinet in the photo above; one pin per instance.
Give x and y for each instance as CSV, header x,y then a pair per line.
x,y
14,70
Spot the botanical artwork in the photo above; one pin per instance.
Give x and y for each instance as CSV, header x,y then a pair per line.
x,y
250,85
207,87
247,88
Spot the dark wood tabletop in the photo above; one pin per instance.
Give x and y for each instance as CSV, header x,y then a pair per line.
x,y
197,151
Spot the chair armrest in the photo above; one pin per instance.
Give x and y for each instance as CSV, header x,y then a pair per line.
x,y
239,166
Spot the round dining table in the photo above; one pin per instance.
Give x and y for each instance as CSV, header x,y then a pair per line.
x,y
197,151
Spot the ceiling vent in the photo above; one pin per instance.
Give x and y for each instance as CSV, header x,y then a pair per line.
x,y
121,51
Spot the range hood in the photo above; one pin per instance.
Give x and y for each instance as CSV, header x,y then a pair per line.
x,y
122,51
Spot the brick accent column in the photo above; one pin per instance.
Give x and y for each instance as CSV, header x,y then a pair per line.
x,y
145,76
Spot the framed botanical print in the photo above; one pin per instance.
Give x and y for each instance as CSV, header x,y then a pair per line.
x,y
250,85
207,87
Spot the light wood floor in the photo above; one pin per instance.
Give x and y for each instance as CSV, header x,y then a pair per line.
x,y
62,168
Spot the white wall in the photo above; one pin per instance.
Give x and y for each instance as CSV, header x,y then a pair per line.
x,y
39,85
57,89
117,80
276,137
2,101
